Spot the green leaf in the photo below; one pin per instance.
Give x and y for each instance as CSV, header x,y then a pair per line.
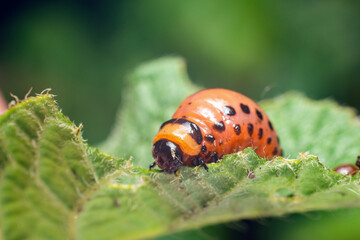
x,y
46,169
241,186
154,91
323,128
54,186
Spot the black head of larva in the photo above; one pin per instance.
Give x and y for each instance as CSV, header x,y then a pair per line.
x,y
167,155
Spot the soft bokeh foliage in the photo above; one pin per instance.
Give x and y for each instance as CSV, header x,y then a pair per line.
x,y
260,48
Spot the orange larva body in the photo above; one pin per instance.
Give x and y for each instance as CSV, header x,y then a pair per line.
x,y
212,123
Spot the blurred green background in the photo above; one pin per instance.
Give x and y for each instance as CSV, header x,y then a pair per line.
x,y
262,48
84,49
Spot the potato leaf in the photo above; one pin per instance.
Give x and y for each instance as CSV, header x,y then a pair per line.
x,y
55,186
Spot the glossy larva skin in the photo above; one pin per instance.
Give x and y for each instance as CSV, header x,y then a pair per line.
x,y
227,122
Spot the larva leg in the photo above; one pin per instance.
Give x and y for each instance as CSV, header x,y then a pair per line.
x,y
152,165
200,162
203,164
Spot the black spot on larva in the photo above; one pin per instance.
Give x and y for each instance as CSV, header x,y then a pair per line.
x,y
167,122
189,103
237,129
228,110
210,138
245,108
270,125
194,130
260,134
220,126
203,148
250,129
259,114
275,151
269,140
